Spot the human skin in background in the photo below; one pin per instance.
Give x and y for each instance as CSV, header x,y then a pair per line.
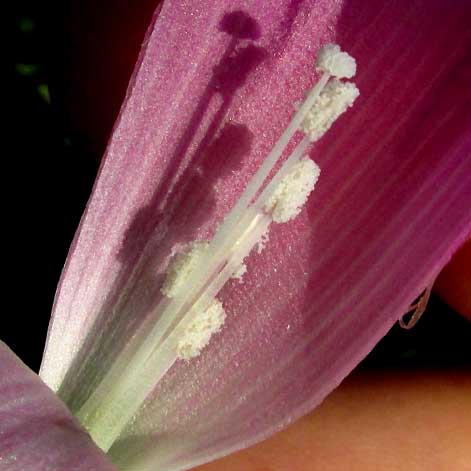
x,y
373,421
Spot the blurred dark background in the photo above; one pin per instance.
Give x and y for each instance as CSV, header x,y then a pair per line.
x,y
49,175
52,154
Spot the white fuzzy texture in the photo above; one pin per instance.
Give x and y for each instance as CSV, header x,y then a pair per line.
x,y
198,334
264,240
335,62
293,191
240,272
334,100
180,268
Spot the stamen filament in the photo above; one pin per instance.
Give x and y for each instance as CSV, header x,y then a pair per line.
x,y
106,419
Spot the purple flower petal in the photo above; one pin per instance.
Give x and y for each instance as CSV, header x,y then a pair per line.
x,y
214,87
37,432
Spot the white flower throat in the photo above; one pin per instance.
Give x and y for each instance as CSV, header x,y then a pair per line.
x,y
184,321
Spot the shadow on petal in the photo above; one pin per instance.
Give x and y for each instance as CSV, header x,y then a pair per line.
x,y
180,205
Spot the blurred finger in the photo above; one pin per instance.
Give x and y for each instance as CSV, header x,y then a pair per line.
x,y
402,422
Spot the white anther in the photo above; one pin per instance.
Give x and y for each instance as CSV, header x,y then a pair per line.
x,y
337,63
198,334
334,100
292,192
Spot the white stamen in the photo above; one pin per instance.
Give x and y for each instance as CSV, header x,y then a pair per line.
x,y
180,268
182,323
335,62
198,334
335,99
292,192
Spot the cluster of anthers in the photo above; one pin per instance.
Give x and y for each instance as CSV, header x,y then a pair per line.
x,y
190,313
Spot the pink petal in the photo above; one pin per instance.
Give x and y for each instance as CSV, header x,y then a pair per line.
x,y
204,107
37,432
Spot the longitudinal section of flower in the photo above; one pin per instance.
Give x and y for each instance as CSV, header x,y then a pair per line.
x,y
189,313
